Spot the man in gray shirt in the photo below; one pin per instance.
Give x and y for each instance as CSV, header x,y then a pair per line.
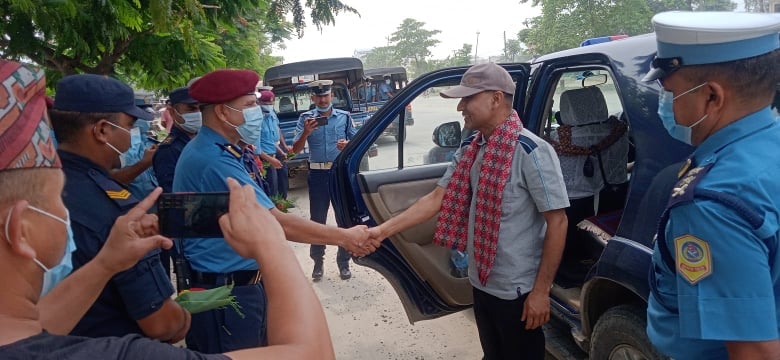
x,y
501,200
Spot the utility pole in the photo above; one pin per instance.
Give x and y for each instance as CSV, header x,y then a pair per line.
x,y
476,48
505,56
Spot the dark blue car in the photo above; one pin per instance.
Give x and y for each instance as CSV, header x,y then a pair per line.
x,y
595,92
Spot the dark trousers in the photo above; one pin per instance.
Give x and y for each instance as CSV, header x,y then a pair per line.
x,y
277,179
319,202
502,333
223,330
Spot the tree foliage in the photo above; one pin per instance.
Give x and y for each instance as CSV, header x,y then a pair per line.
x,y
153,44
413,43
757,5
461,57
513,51
379,57
563,24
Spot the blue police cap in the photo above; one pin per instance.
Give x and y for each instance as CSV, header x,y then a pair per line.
x,y
181,95
697,38
320,87
91,93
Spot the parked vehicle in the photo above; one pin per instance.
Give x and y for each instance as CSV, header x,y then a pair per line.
x,y
398,81
601,289
292,96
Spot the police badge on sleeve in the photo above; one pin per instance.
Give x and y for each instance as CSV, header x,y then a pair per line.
x,y
694,261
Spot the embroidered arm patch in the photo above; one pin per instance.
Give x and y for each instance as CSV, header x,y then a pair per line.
x,y
694,261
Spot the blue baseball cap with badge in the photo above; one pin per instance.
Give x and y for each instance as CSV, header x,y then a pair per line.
x,y
91,93
181,95
698,38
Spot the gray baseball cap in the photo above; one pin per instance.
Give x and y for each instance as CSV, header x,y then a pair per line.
x,y
479,78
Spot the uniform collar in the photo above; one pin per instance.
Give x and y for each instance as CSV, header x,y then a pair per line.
x,y
208,134
176,132
734,131
78,162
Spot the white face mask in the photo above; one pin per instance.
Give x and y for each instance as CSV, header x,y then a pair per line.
x,y
121,154
193,121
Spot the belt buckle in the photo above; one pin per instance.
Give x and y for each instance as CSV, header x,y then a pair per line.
x,y
256,279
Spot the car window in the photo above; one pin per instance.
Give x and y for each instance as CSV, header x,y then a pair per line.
x,y
421,117
300,101
427,111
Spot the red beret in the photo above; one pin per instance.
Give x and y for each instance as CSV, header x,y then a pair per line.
x,y
26,136
221,86
266,96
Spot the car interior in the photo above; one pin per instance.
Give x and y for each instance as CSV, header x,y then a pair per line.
x,y
591,136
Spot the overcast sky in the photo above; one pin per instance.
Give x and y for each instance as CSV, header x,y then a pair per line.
x,y
458,20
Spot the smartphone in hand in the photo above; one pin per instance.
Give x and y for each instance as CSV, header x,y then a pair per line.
x,y
192,215
321,120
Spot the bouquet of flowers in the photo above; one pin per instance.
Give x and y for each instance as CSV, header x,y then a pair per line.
x,y
200,300
282,204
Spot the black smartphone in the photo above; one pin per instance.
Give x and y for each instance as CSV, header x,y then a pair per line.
x,y
192,215
321,120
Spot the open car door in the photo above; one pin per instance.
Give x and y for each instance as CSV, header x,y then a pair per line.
x,y
419,271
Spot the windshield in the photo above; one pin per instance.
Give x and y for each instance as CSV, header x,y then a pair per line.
x,y
299,101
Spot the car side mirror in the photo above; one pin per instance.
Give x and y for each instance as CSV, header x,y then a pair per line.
x,y
447,135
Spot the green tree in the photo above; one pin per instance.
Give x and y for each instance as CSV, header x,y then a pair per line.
x,y
383,56
462,57
563,24
412,43
514,52
154,44
757,5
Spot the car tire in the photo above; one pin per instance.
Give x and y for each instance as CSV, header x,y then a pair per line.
x,y
620,334
398,137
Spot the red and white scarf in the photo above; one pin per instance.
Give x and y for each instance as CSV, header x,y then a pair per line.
x,y
452,226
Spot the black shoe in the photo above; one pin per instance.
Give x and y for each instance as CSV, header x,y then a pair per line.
x,y
316,274
344,273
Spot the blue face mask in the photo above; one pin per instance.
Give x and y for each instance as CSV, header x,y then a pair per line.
x,y
252,126
666,113
53,276
135,138
325,109
267,108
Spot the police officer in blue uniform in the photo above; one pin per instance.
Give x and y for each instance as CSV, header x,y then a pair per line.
x,y
187,121
136,162
325,143
92,117
271,148
231,120
385,90
715,284
367,91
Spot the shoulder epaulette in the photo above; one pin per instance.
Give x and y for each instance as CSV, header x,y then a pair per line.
x,y
116,192
231,149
